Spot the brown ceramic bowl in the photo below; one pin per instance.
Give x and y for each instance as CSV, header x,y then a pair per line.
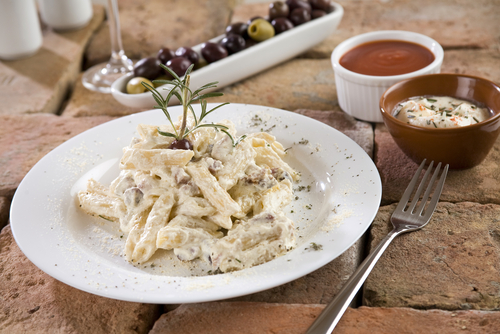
x,y
462,147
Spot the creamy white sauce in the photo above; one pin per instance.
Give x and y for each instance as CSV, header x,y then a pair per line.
x,y
439,112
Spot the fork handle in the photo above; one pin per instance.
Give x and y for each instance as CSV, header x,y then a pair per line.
x,y
332,313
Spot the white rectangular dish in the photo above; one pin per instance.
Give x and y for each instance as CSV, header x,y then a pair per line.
x,y
245,63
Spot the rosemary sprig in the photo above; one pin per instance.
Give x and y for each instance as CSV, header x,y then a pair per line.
x,y
180,89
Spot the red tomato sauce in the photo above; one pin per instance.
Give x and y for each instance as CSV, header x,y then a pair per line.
x,y
385,58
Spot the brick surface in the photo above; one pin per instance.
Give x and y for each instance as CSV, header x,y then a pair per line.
x,y
262,318
4,211
33,302
319,287
296,84
40,83
452,263
481,63
148,25
26,139
478,184
360,132
84,102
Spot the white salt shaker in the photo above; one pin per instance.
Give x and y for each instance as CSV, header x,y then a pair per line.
x,y
65,14
20,32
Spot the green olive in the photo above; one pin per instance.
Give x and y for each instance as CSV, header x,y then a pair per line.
x,y
260,30
134,86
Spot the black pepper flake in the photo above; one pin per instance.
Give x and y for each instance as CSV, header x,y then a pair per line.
x,y
33,310
304,141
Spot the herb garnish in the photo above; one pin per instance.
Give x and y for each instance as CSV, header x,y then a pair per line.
x,y
186,97
105,218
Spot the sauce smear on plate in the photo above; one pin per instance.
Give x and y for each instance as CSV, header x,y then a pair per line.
x,y
385,58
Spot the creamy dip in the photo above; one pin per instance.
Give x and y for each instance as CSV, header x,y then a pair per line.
x,y
439,112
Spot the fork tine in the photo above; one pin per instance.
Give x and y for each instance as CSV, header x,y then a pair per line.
x,y
437,193
406,196
428,190
420,188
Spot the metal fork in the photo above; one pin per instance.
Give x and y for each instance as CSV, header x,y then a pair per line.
x,y
403,220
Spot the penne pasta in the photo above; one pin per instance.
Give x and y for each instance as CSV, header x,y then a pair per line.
x,y
222,201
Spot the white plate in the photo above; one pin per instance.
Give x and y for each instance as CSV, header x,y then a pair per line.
x,y
244,63
340,196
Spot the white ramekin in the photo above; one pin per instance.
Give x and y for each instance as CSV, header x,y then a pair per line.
x,y
359,94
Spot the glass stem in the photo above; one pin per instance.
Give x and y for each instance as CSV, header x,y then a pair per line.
x,y
117,53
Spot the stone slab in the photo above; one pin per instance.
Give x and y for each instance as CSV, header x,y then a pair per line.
x,y
34,302
84,103
149,25
4,211
40,83
296,84
478,184
452,263
26,139
260,318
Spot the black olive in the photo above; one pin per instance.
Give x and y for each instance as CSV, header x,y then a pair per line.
x,y
165,55
148,68
238,28
213,52
278,9
299,16
317,13
179,65
249,22
188,53
249,42
323,5
294,4
182,144
233,43
281,24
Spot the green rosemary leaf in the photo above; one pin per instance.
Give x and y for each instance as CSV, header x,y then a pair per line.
x,y
164,82
205,96
170,94
239,140
208,125
153,91
194,115
188,71
203,105
214,108
431,100
172,73
177,95
166,134
206,86
105,218
158,100
475,119
229,135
